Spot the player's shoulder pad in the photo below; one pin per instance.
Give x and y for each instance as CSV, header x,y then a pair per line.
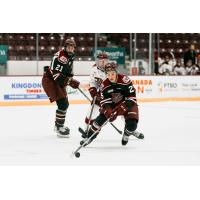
x,y
104,85
123,79
62,57
93,70
94,66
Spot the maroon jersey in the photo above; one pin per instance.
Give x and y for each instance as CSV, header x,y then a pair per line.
x,y
122,91
61,67
56,76
115,93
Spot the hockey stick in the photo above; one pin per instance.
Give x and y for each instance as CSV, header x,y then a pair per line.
x,y
84,94
90,115
120,132
76,152
93,103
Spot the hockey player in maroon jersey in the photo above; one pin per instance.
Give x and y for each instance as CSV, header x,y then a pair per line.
x,y
118,98
54,81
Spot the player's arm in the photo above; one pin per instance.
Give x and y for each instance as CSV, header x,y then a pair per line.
x,y
129,92
69,80
106,98
56,69
130,98
106,102
93,85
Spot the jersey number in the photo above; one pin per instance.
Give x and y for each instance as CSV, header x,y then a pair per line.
x,y
131,89
59,68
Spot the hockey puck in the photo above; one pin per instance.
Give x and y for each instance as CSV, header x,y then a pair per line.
x,y
77,154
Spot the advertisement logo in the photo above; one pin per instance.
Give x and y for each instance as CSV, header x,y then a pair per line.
x,y
190,87
143,86
167,86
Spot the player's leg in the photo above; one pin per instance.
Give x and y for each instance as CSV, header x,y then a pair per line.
x,y
130,127
96,127
95,113
131,121
61,130
88,120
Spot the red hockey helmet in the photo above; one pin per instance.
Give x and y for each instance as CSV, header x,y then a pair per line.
x,y
102,55
111,67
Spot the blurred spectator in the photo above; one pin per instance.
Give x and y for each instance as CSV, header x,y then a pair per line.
x,y
191,69
179,69
166,68
190,55
141,69
198,65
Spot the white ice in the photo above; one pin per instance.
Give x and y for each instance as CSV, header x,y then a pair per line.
x,y
171,129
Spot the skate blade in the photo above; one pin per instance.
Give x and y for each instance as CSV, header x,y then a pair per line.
x,y
62,136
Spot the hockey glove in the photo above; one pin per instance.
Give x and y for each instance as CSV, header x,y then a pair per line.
x,y
73,83
122,108
113,116
93,93
107,112
98,99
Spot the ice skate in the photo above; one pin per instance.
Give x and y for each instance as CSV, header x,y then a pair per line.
x,y
62,131
86,141
125,139
89,138
83,133
138,135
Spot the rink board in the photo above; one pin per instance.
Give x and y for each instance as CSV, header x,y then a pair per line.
x,y
27,90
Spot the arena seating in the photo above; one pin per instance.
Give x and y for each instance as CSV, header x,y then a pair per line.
x,y
177,43
22,46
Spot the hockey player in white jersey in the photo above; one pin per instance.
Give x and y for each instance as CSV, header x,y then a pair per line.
x,y
97,76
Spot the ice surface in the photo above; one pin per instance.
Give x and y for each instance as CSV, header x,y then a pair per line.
x,y
171,129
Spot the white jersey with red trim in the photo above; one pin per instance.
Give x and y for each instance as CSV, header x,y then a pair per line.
x,y
97,76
